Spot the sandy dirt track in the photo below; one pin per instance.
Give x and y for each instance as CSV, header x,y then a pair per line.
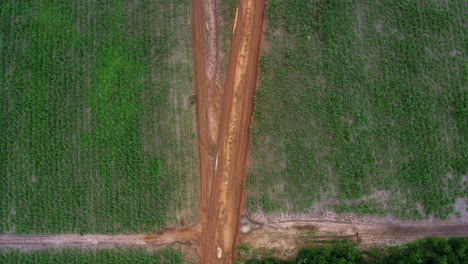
x,y
287,236
207,129
70,239
284,236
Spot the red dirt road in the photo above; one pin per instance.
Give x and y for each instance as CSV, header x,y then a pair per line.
x,y
223,163
205,54
233,145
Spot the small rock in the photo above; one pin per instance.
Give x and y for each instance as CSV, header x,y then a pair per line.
x,y
245,229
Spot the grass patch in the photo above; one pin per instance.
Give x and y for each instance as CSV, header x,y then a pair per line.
x,y
244,248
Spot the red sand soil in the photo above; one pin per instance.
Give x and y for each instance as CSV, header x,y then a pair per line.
x,y
231,155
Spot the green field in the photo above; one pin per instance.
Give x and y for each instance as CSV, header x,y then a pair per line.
x,y
362,108
95,117
65,256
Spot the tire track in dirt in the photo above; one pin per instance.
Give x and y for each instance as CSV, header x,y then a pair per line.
x,y
286,237
205,84
72,239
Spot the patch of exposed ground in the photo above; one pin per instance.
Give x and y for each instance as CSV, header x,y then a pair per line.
x,y
285,237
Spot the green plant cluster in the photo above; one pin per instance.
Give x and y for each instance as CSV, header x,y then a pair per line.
x,y
227,13
88,125
124,256
430,250
358,98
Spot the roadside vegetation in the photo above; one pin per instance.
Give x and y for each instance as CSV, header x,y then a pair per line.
x,y
124,256
430,250
95,117
227,11
362,108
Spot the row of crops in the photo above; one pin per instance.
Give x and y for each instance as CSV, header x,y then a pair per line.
x,y
96,129
363,108
166,256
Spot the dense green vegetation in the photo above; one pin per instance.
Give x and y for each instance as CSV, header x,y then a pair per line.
x,y
431,250
362,107
95,116
124,256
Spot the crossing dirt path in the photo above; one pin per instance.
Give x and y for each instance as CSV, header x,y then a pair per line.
x,y
233,145
223,118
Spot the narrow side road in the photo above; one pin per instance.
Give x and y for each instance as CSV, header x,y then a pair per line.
x,y
205,83
69,239
283,235
289,235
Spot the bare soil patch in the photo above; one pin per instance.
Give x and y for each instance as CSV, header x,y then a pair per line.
x,y
231,156
285,237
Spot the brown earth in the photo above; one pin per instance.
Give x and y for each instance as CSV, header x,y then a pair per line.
x,y
208,100
285,237
223,118
233,145
72,239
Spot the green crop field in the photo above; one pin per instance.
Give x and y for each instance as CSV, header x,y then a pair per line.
x,y
65,256
96,122
362,108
